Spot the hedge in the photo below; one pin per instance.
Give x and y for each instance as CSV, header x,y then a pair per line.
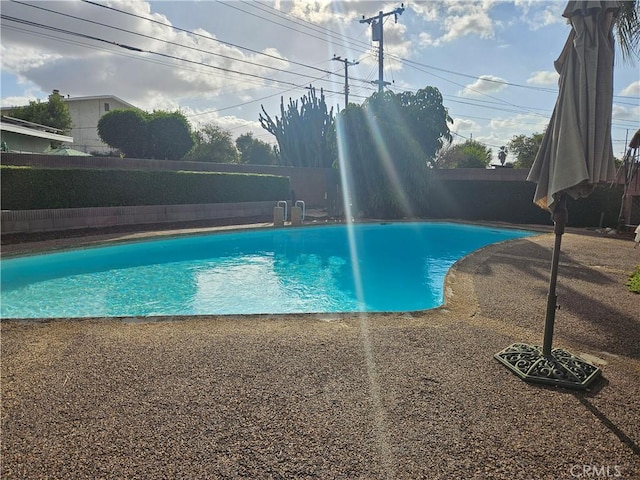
x,y
27,188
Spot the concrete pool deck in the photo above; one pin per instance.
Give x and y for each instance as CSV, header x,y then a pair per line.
x,y
394,396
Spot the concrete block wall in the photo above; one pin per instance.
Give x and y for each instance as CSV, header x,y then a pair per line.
x,y
22,221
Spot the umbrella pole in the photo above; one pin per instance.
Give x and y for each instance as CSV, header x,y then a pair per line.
x,y
550,366
560,221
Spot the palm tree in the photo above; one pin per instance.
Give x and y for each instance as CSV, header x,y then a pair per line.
x,y
502,155
628,30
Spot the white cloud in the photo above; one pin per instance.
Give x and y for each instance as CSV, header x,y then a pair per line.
x,y
544,78
622,112
455,20
16,101
319,12
539,14
631,90
427,40
463,125
486,84
500,130
522,122
34,64
477,23
429,11
149,79
395,45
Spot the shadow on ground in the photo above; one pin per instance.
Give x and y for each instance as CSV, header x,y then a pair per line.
x,y
596,308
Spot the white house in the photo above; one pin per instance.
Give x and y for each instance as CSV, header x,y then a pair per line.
x,y
85,113
28,137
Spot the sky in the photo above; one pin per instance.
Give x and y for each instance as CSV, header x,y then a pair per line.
x,y
221,62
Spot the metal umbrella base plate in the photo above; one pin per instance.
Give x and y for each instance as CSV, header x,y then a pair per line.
x,y
560,368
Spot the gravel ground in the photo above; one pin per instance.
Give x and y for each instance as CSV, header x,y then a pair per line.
x,y
382,396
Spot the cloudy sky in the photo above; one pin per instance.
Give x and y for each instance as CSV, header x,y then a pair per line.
x,y
221,61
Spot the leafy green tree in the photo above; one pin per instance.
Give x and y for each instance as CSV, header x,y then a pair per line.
x,y
213,144
170,135
126,130
53,113
302,132
254,151
427,119
525,148
160,135
384,148
469,154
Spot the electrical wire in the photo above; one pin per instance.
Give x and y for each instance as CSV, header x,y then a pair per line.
x,y
140,50
200,50
410,63
202,36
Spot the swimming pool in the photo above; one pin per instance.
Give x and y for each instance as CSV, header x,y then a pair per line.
x,y
364,267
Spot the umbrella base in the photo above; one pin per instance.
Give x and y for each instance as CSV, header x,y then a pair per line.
x,y
561,368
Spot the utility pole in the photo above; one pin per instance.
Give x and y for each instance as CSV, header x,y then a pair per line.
x,y
377,35
347,64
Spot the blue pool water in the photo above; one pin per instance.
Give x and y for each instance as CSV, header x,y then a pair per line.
x,y
401,267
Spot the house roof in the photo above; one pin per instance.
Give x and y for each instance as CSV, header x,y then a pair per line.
x,y
16,125
98,97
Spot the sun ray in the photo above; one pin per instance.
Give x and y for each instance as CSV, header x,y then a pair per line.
x,y
387,162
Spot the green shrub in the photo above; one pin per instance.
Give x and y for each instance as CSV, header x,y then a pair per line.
x,y
634,280
26,188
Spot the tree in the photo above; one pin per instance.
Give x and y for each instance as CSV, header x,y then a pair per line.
x,y
125,130
170,135
525,148
427,119
213,144
160,135
502,155
53,113
384,148
254,151
628,30
302,132
469,154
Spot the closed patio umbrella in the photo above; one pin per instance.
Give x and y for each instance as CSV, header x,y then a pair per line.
x,y
575,155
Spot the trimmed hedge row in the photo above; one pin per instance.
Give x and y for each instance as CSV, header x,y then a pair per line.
x,y
513,202
27,188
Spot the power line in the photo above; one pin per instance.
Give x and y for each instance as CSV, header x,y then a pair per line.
x,y
377,30
263,78
93,46
227,4
302,22
200,50
140,50
204,36
381,53
224,42
402,60
136,49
